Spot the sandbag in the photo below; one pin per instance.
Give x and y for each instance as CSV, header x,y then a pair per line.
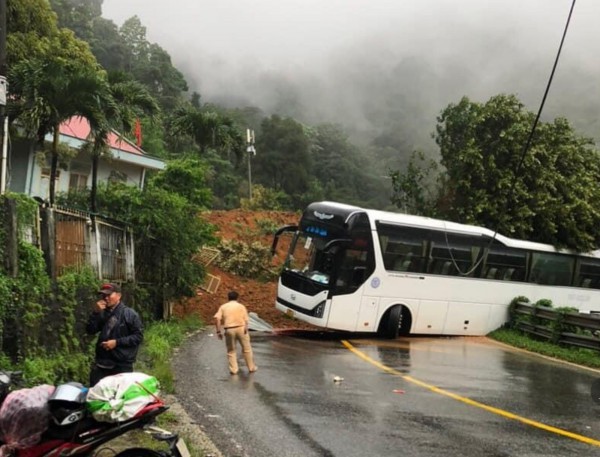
x,y
120,397
24,417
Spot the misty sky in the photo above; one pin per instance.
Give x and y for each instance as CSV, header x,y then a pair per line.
x,y
362,61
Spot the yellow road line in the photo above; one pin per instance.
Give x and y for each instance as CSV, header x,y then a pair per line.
x,y
468,401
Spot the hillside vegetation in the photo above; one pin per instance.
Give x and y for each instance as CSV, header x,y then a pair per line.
x,y
258,294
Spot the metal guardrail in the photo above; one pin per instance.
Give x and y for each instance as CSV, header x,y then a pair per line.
x,y
561,332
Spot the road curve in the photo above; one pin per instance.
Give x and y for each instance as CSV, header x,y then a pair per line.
x,y
410,397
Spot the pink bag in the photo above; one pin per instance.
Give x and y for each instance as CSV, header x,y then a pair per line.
x,y
24,417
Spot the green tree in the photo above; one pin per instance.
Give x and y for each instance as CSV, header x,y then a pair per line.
x,y
265,199
168,233
134,34
151,65
109,47
77,15
47,93
32,32
553,196
224,181
208,128
342,170
31,25
186,177
411,189
283,158
124,103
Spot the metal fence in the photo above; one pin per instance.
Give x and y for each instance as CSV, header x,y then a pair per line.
x,y
572,329
81,238
72,245
113,250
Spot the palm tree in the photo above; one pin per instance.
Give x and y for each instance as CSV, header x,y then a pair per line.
x,y
207,128
44,94
128,101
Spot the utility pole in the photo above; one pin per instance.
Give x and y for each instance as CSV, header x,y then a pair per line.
x,y
251,152
3,92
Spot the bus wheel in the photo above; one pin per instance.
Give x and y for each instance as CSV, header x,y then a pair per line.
x,y
396,321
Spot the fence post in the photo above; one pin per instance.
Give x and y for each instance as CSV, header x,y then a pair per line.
x,y
11,260
93,246
129,255
48,240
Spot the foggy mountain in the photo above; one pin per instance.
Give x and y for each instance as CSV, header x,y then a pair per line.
x,y
376,66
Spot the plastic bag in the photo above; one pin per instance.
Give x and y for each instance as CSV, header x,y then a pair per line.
x,y
24,417
120,397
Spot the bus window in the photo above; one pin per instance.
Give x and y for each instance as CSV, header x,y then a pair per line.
x,y
505,264
551,269
453,254
402,248
589,274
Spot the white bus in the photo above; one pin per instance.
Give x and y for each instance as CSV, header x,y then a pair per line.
x,y
364,270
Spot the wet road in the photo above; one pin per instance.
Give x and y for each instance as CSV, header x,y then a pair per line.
x,y
409,397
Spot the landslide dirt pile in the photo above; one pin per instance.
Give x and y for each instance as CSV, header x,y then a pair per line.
x,y
258,296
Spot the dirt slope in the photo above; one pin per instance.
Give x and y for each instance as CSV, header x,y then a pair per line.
x,y
257,296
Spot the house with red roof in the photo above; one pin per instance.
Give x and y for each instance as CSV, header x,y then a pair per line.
x,y
128,163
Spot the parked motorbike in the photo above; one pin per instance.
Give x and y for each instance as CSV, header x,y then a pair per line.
x,y
73,432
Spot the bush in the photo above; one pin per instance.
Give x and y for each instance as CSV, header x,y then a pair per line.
x,y
267,226
160,338
246,260
167,234
264,198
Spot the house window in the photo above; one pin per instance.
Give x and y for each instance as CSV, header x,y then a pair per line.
x,y
77,181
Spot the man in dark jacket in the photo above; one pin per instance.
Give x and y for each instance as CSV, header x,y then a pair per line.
x,y
121,333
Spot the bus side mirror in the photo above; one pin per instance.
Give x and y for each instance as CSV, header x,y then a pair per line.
x,y
286,228
341,242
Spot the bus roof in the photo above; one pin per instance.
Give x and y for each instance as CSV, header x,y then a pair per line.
x,y
438,224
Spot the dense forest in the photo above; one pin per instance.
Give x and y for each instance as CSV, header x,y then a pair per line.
x,y
481,172
295,163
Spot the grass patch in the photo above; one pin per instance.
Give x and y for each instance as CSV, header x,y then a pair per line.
x,y
160,339
585,357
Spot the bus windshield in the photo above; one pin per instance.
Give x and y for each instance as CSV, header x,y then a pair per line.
x,y
341,264
308,259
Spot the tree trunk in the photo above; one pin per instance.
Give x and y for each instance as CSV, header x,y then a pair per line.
x,y
94,191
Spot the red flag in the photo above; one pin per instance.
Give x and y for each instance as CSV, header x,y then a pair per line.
x,y
138,133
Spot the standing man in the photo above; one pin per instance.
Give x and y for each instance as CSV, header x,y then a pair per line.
x,y
233,317
121,333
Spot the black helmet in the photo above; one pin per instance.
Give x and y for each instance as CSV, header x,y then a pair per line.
x,y
67,403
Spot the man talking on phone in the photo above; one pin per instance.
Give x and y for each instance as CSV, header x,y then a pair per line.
x,y
121,333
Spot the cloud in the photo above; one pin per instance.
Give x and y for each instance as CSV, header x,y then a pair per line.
x,y
367,62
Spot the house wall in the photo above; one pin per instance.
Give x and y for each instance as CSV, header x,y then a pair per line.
x,y
40,182
27,175
131,173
